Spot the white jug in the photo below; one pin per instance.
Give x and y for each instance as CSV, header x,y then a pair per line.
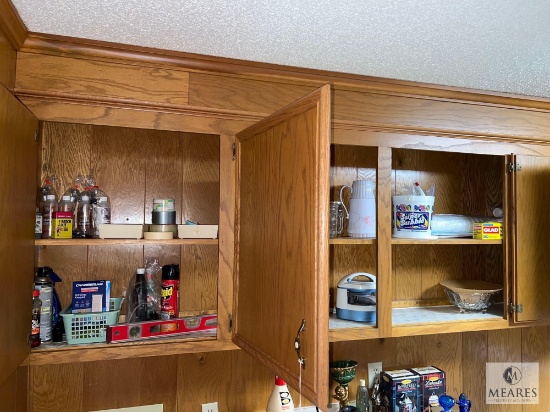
x,y
362,209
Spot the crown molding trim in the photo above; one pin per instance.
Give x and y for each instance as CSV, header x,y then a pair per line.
x,y
99,50
12,25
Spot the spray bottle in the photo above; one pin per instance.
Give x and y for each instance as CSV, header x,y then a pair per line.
x,y
280,399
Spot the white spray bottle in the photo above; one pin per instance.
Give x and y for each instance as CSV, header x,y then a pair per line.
x,y
280,399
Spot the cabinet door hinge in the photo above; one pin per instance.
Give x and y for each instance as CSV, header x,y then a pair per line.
x,y
36,135
514,167
234,151
515,308
230,322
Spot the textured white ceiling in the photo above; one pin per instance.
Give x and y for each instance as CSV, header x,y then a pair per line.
x,y
498,45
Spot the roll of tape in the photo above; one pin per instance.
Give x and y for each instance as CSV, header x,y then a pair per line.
x,y
163,218
164,228
163,205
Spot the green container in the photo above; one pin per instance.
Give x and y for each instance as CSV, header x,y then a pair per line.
x,y
90,327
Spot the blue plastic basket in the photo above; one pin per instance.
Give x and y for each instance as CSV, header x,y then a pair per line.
x,y
90,327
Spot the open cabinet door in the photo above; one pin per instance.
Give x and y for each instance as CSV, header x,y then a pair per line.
x,y
281,243
530,202
18,155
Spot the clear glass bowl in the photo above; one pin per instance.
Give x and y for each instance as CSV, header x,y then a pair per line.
x,y
474,301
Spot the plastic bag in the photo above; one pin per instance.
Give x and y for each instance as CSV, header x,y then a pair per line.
x,y
144,293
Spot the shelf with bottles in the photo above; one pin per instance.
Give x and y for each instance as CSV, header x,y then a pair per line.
x,y
49,353
135,166
98,242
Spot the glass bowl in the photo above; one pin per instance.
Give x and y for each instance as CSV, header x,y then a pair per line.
x,y
471,295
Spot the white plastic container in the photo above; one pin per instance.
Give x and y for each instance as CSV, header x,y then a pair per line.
x,y
412,216
120,231
280,399
197,231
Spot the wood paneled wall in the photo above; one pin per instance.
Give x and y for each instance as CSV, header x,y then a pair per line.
x,y
240,384
462,356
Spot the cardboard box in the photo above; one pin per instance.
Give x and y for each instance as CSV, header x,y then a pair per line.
x,y
400,391
62,225
488,230
432,386
91,296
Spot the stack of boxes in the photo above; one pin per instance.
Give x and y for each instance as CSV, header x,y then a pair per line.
x,y
415,389
432,386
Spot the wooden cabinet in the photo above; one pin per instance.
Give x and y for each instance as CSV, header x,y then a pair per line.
x,y
134,166
410,299
468,182
169,129
281,245
18,128
529,246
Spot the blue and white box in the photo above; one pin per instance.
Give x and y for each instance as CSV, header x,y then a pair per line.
x,y
91,296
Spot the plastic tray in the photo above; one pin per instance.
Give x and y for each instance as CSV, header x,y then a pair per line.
x,y
120,231
197,231
90,327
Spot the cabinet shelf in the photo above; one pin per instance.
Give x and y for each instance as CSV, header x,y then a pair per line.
x,y
351,241
446,241
101,242
400,241
414,321
63,353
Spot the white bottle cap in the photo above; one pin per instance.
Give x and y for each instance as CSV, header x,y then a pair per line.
x,y
140,270
361,382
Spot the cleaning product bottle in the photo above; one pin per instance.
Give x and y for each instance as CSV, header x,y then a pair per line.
x,y
43,283
35,329
280,399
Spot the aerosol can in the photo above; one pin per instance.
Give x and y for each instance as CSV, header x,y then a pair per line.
x,y
280,399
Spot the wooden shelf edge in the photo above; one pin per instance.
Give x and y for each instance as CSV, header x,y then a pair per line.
x,y
348,334
449,327
99,242
402,241
446,241
100,352
351,241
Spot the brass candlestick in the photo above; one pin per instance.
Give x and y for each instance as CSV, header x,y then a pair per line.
x,y
343,372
